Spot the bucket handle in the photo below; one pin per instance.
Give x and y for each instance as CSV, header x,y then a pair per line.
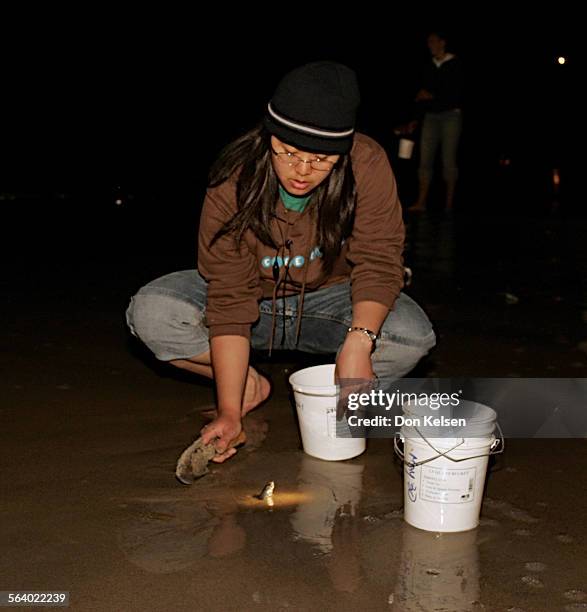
x,y
305,391
497,447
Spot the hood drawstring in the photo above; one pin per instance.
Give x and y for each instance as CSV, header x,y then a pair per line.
x,y
301,297
277,274
277,279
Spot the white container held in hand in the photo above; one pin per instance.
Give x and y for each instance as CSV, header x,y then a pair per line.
x,y
406,148
316,397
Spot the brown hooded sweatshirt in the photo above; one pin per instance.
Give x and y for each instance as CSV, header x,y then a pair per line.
x,y
371,256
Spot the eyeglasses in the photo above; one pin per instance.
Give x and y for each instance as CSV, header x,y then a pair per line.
x,y
291,159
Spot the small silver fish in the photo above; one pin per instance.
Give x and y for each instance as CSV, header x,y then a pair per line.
x,y
267,491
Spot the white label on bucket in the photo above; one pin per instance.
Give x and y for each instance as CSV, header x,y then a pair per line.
x,y
448,485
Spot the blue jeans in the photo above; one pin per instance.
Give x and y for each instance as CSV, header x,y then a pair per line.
x,y
167,314
444,130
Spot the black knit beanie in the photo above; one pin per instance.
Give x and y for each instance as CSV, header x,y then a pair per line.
x,y
314,108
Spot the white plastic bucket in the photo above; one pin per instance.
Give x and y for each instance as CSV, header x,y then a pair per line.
x,y
316,395
444,477
406,148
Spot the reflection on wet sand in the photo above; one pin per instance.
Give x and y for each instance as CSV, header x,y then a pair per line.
x,y
329,522
423,570
335,491
318,519
437,571
227,537
167,536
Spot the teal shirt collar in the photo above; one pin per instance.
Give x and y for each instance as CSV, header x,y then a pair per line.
x,y
292,202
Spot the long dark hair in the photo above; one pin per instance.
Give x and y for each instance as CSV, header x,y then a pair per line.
x,y
333,201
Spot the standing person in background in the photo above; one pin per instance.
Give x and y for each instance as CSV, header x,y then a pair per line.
x,y
439,102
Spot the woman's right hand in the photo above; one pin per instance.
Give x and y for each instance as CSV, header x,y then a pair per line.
x,y
226,432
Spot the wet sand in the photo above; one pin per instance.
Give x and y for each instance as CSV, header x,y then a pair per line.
x,y
92,428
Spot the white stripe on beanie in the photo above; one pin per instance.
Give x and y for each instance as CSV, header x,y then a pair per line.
x,y
308,130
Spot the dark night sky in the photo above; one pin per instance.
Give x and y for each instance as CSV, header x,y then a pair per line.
x,y
94,100
144,99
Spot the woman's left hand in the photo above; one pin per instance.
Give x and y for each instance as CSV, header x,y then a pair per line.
x,y
354,368
354,359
